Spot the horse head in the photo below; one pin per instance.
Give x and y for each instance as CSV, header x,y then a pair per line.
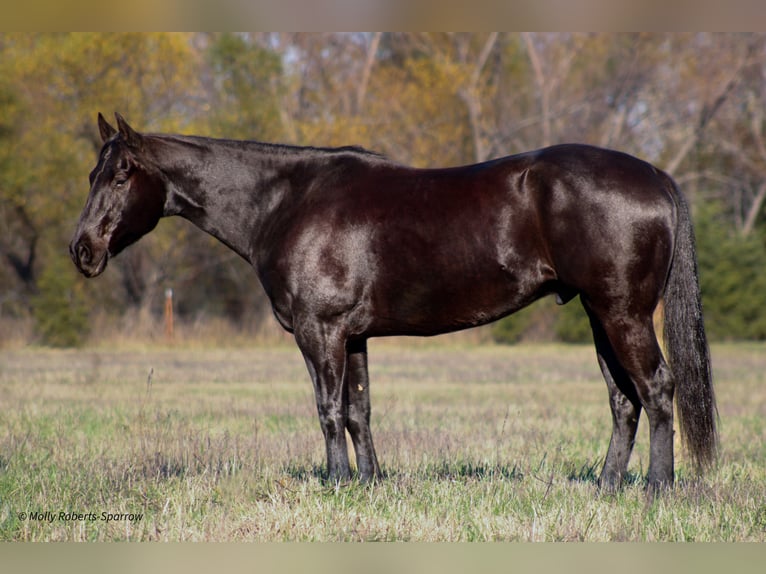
x,y
126,199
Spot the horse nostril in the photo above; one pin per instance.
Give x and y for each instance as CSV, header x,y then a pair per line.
x,y
83,253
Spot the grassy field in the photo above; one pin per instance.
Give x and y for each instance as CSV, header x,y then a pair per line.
x,y
477,444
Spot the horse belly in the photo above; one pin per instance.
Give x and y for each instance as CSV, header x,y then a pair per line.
x,y
437,301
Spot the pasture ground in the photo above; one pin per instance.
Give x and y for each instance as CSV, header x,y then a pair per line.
x,y
478,443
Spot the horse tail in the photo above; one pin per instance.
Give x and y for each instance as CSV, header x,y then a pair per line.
x,y
687,347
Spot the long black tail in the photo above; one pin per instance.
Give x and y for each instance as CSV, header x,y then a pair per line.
x,y
687,348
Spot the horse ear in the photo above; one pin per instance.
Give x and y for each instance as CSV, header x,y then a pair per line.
x,y
105,129
132,137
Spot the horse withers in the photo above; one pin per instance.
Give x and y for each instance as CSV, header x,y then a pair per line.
x,y
349,245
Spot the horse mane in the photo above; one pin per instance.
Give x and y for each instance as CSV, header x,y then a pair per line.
x,y
202,142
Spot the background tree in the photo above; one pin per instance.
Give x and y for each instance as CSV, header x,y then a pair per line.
x,y
691,103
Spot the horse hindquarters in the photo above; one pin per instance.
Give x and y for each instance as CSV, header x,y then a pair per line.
x,y
624,331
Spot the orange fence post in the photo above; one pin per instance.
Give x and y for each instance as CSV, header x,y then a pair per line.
x,y
169,313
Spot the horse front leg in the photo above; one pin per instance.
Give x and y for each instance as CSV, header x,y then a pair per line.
x,y
358,422
324,350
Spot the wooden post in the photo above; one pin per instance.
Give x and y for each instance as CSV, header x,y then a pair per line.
x,y
169,314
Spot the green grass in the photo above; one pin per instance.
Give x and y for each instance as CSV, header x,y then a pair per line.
x,y
477,444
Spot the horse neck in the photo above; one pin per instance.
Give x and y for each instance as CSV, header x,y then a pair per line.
x,y
228,189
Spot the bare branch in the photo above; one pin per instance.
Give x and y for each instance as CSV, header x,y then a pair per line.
x,y
689,141
754,210
361,90
709,110
545,107
470,95
756,128
483,57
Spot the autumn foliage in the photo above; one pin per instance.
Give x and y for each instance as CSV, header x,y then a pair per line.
x,y
693,104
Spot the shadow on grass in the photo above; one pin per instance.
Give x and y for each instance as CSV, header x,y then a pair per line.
x,y
305,473
471,470
317,472
589,472
443,470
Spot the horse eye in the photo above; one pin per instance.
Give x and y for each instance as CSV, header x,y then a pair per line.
x,y
120,181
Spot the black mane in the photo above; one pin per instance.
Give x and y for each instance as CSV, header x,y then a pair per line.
x,y
274,148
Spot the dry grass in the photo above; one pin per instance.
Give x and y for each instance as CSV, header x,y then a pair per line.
x,y
478,443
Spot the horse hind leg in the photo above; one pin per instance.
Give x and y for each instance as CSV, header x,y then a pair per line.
x,y
625,407
636,353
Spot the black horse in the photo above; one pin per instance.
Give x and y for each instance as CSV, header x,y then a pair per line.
x,y
349,245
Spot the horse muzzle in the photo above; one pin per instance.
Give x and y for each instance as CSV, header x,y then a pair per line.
x,y
90,257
